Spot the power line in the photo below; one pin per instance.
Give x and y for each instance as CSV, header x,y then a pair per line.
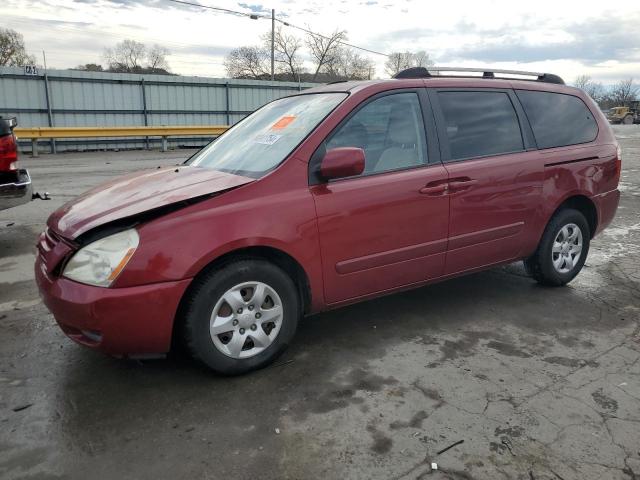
x,y
219,9
329,38
255,16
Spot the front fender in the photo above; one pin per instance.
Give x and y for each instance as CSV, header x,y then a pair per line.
x,y
241,244
179,245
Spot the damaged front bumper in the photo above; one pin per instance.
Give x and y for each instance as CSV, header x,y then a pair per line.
x,y
15,188
122,322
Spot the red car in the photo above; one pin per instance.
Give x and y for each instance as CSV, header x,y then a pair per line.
x,y
339,194
15,183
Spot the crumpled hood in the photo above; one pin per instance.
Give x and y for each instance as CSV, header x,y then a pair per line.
x,y
137,193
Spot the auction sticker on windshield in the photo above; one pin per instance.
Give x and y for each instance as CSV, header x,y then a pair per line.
x,y
268,139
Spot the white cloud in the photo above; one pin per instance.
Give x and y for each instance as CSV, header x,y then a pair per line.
x,y
539,35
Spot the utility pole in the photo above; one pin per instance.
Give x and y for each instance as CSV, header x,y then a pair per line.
x,y
44,58
273,41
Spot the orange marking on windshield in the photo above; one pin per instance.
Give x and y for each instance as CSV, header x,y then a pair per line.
x,y
283,122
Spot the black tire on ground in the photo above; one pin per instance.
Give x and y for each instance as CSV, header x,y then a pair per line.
x,y
628,120
540,264
205,292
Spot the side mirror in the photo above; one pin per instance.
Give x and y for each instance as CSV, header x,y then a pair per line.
x,y
342,162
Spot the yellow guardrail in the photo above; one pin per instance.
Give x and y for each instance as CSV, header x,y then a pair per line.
x,y
36,133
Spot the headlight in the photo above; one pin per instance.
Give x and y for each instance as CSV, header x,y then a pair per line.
x,y
100,262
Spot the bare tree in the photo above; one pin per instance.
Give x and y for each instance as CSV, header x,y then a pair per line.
x,y
89,67
623,92
350,65
127,56
594,89
324,50
247,62
582,81
396,62
157,58
287,53
130,56
421,59
399,61
12,49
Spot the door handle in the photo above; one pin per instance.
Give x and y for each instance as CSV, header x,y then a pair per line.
x,y
435,189
461,184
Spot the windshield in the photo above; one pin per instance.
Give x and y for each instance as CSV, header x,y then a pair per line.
x,y
266,137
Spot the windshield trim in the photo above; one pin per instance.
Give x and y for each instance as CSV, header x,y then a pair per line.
x,y
295,148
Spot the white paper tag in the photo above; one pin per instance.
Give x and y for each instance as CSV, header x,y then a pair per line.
x,y
268,139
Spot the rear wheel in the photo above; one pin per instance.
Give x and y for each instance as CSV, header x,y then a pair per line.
x,y
241,316
562,250
628,120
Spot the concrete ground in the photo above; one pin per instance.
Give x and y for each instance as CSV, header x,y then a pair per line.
x,y
530,382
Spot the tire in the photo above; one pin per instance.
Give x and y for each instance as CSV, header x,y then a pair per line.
x,y
628,120
559,267
261,334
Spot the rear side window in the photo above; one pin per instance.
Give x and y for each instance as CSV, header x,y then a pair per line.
x,y
558,119
480,123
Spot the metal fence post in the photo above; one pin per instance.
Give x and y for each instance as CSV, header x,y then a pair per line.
x,y
49,114
144,111
227,106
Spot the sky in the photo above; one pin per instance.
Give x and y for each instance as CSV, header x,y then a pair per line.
x,y
565,37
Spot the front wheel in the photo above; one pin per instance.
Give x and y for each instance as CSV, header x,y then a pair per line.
x,y
562,250
628,120
241,316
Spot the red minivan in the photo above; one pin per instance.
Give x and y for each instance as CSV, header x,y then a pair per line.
x,y
339,194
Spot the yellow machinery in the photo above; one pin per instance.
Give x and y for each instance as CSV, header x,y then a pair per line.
x,y
625,115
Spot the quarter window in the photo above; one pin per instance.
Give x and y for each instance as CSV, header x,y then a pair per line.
x,y
389,130
480,123
558,119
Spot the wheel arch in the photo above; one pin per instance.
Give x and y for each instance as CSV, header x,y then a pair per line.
x,y
278,257
583,204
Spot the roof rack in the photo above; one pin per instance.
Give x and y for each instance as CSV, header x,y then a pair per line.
x,y
422,72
